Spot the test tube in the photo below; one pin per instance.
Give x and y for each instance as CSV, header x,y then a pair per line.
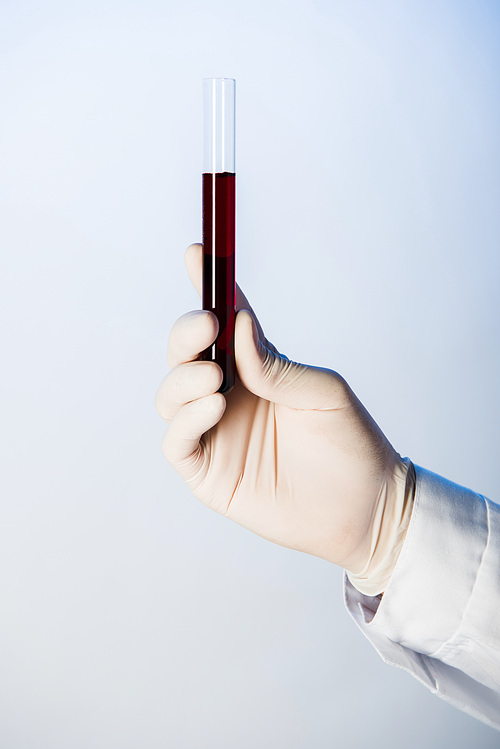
x,y
219,180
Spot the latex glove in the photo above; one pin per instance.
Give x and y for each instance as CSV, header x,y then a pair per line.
x,y
289,453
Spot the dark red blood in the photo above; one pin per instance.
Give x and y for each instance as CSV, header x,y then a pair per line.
x,y
219,268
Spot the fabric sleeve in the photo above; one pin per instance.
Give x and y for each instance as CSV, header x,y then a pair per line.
x,y
439,617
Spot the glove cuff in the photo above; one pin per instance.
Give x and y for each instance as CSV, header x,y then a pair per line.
x,y
390,523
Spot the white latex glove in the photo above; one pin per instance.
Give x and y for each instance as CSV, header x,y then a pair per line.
x,y
290,453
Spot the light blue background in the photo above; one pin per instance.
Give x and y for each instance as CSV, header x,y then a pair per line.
x,y
368,240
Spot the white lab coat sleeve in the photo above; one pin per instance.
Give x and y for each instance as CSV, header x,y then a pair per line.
x,y
439,618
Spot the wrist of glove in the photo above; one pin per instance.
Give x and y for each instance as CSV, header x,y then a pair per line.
x,y
391,519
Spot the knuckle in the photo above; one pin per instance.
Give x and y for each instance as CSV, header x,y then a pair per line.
x,y
190,335
166,446
215,375
160,401
165,396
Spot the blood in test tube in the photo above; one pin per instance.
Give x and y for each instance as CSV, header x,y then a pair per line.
x,y
219,267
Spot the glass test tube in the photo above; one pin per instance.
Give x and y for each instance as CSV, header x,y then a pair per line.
x,y
219,219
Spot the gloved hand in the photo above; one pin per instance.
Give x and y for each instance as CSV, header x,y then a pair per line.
x,y
290,453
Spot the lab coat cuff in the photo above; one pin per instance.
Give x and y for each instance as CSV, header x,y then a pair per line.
x,y
428,593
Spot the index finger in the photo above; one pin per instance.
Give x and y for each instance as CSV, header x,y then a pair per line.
x,y
191,334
